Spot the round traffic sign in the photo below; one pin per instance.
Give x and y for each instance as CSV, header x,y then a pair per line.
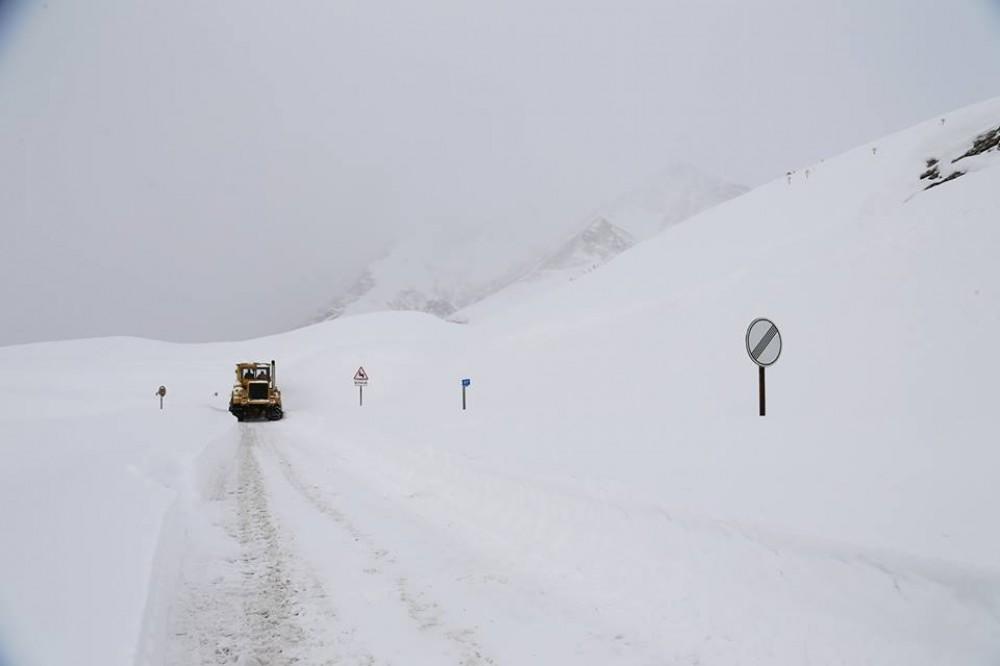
x,y
763,342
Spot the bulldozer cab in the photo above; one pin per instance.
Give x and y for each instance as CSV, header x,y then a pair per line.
x,y
247,372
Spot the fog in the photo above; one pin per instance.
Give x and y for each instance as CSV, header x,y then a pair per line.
x,y
200,171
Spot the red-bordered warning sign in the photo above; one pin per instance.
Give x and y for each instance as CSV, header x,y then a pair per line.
x,y
361,377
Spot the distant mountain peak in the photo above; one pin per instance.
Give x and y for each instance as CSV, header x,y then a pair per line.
x,y
439,275
675,194
599,242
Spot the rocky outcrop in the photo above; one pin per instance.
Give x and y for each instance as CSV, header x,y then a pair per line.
x,y
983,143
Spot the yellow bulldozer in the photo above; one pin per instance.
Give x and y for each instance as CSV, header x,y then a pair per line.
x,y
255,394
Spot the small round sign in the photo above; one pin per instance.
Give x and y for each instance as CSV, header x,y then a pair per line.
x,y
763,342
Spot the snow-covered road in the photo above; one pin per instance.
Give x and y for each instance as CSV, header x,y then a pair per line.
x,y
251,602
292,555
300,585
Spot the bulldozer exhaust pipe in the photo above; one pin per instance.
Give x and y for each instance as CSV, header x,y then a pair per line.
x,y
274,380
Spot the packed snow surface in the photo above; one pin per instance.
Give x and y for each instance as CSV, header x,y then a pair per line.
x,y
610,496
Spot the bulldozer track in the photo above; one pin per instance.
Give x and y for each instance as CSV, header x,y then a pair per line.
x,y
253,605
257,602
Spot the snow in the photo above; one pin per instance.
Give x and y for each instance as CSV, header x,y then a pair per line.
x,y
609,497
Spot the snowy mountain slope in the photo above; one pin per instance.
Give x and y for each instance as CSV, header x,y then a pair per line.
x,y
610,496
433,273
600,242
438,274
677,193
885,291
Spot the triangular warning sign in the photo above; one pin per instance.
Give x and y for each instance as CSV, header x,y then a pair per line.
x,y
361,375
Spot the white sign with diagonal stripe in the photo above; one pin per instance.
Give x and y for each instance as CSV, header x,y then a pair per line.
x,y
763,342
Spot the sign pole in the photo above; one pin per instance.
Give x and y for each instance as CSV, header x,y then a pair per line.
x,y
763,409
361,380
465,384
161,402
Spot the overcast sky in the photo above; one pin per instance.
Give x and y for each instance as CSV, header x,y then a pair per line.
x,y
194,170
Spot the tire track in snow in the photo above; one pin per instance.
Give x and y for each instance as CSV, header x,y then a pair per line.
x,y
423,611
257,604
270,610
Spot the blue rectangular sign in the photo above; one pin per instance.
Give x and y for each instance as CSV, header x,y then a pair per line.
x,y
466,382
